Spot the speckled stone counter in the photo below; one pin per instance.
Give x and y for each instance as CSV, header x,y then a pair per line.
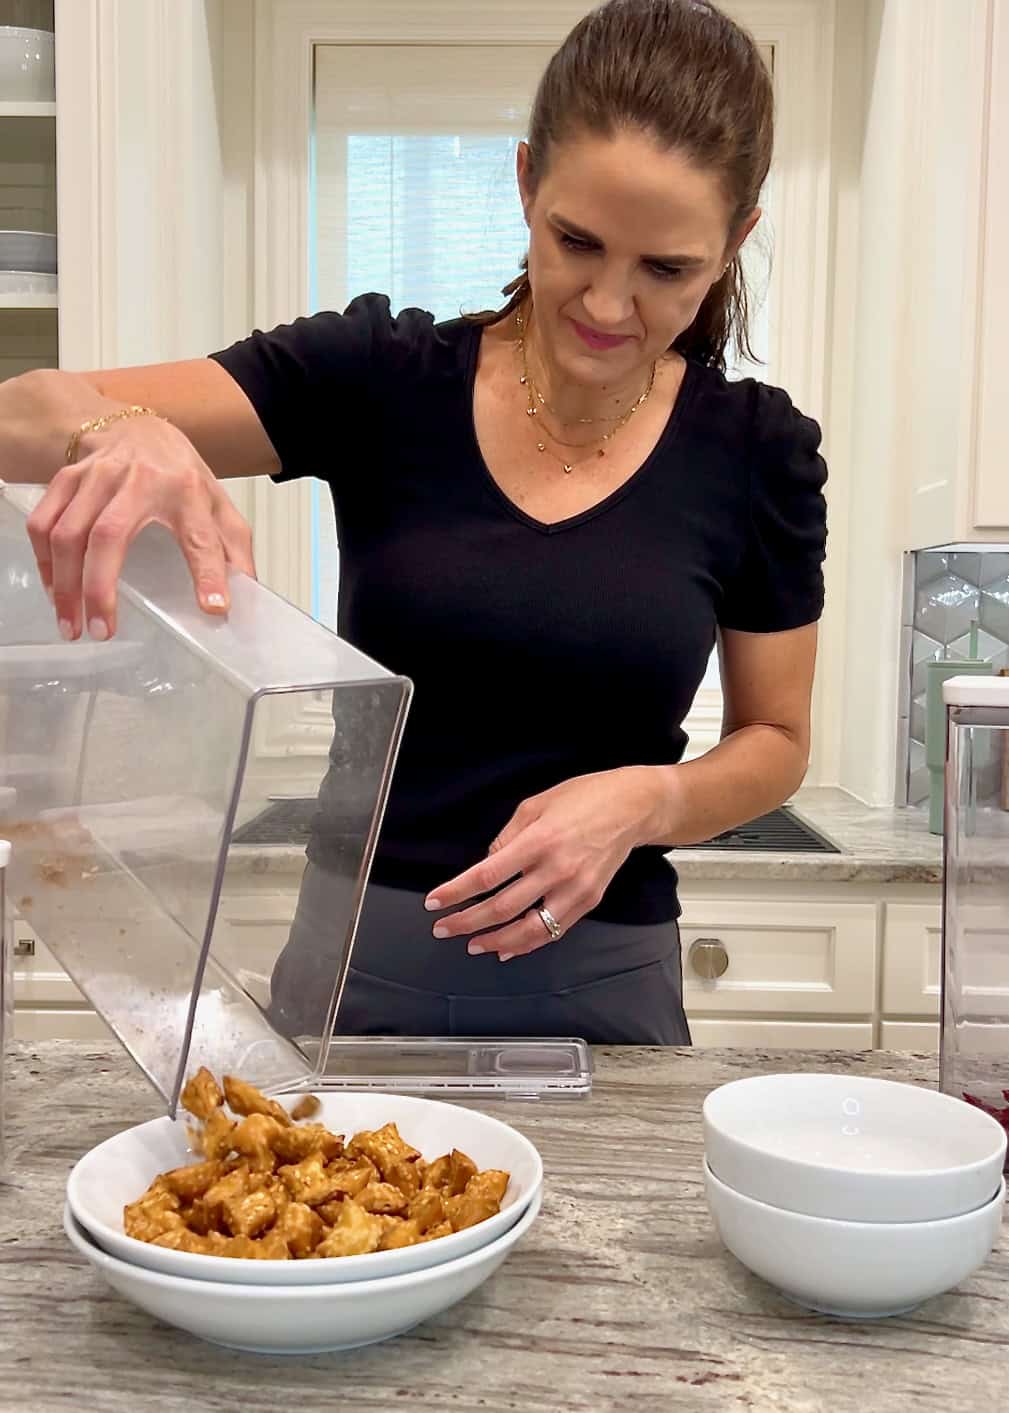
x,y
878,845
621,1297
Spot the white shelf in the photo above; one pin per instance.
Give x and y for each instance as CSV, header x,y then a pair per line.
x,y
29,301
11,109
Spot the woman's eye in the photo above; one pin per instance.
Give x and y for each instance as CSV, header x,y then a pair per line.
x,y
667,272
575,242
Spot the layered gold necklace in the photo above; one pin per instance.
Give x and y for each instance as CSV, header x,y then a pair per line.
x,y
537,402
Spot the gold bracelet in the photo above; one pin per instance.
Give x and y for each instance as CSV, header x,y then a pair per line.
x,y
98,423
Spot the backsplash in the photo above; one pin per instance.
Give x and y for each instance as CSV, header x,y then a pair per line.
x,y
945,590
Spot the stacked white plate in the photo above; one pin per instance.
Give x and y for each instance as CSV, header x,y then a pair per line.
x,y
311,1306
856,1197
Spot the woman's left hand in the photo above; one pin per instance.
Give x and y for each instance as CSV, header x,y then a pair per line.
x,y
565,845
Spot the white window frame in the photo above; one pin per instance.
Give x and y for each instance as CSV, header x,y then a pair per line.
x,y
801,34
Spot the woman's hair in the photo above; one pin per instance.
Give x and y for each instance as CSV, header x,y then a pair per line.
x,y
686,75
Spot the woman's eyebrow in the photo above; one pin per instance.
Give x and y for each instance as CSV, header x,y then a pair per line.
x,y
572,229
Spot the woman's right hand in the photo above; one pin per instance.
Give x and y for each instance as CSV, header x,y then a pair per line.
x,y
134,473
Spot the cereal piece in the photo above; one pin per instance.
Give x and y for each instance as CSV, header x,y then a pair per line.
x,y
398,1233
311,1182
181,1239
248,1214
152,1215
301,1228
253,1138
451,1173
208,1210
244,1099
381,1197
442,1229
347,1182
192,1181
201,1095
481,1199
427,1209
384,1146
355,1234
271,1247
293,1144
306,1108
213,1139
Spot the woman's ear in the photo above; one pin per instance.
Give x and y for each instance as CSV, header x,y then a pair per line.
x,y
740,235
523,174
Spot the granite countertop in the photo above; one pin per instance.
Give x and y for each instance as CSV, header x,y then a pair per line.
x,y
878,845
620,1298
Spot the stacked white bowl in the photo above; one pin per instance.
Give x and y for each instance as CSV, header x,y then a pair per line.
x,y
853,1196
309,1306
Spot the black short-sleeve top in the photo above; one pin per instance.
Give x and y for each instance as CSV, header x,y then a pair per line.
x,y
537,652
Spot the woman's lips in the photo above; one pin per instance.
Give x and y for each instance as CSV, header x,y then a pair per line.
x,y
598,341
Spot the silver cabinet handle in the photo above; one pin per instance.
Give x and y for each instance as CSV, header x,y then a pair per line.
x,y
25,947
708,958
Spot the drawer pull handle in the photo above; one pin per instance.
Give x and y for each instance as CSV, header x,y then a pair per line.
x,y
708,958
24,947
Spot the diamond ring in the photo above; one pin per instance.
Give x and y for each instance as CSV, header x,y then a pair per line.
x,y
549,922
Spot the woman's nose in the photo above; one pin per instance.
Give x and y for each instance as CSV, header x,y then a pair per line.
x,y
608,304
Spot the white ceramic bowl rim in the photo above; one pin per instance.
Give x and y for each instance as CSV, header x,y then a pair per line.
x,y
348,1289
22,32
842,1225
916,1175
106,1233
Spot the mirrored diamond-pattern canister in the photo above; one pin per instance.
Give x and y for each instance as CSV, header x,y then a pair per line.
x,y
974,1038
955,606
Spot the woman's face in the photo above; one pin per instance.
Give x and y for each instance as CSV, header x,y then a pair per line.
x,y
625,240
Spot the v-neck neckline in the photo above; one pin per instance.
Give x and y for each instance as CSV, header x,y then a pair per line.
x,y
571,522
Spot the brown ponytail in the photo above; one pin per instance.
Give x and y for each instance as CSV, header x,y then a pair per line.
x,y
688,76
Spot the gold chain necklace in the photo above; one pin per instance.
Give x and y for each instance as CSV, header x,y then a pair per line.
x,y
534,395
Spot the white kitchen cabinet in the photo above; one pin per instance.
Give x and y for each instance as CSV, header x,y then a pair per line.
x,y
70,1023
909,1035
781,1034
801,957
912,948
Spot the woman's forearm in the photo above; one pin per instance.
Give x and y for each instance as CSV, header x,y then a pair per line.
x,y
38,413
751,771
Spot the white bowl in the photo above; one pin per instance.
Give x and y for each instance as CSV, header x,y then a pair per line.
x,y
120,1169
858,1270
852,1148
28,252
27,65
307,1319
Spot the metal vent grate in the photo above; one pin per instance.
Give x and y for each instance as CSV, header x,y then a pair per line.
x,y
282,822
778,832
289,822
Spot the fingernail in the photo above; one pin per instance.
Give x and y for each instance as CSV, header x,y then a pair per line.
x,y
475,950
439,931
98,629
216,601
505,956
67,629
433,905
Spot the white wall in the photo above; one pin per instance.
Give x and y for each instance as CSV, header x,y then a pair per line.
x,y
905,394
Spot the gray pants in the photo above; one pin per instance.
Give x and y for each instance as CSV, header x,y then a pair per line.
x,y
609,983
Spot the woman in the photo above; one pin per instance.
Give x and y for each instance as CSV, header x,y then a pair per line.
x,y
547,517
